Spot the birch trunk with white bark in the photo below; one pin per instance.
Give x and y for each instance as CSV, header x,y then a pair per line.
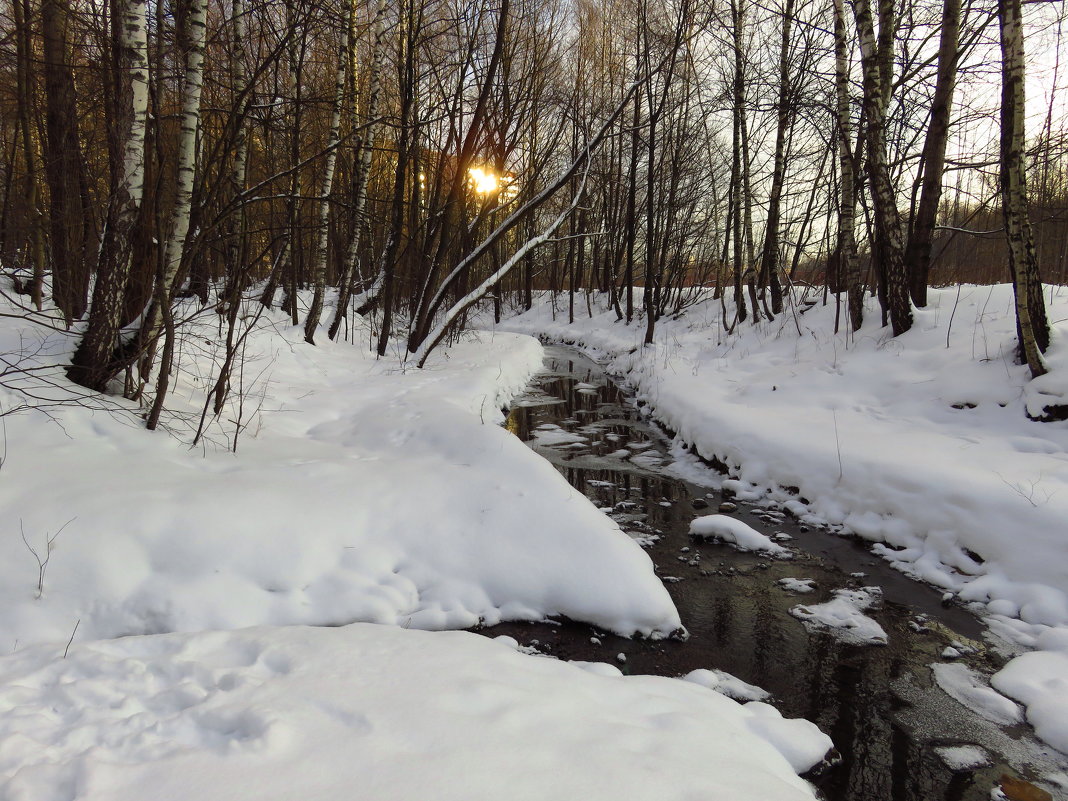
x,y
174,248
1031,324
94,362
363,172
877,58
322,234
846,250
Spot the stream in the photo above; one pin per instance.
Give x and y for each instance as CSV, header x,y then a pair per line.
x,y
899,736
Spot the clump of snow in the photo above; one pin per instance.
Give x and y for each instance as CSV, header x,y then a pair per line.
x,y
552,435
963,685
731,686
843,616
797,585
734,531
394,713
963,757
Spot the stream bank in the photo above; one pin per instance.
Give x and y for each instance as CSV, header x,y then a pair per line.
x,y
900,737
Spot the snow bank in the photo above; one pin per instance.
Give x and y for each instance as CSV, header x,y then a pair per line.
x,y
360,491
1039,681
732,530
919,443
314,713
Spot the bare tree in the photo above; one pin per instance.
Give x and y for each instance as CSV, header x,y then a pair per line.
x,y
1031,324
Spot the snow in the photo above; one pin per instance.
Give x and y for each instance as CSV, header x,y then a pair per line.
x,y
360,491
209,593
732,530
804,585
963,685
1039,681
843,616
962,757
920,444
298,712
731,686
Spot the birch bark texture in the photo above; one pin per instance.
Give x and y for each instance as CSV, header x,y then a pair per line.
x,y
322,232
846,250
362,170
1032,326
94,362
877,60
159,312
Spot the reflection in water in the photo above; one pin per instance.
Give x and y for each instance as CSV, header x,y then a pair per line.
x,y
876,702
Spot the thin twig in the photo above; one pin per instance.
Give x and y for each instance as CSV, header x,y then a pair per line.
x,y
77,623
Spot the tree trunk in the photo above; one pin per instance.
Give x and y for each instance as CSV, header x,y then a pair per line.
x,y
769,268
918,252
24,74
69,217
93,364
846,250
877,58
175,246
365,150
322,234
1031,323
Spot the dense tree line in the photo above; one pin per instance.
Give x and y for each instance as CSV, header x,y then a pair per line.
x,y
422,156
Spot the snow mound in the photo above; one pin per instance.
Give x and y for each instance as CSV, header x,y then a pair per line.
x,y
843,616
799,740
394,713
963,685
1039,681
734,531
360,491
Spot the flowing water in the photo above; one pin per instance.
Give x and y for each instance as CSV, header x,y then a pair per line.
x,y
899,736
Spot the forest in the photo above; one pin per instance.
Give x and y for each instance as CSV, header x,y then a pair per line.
x,y
423,158
533,399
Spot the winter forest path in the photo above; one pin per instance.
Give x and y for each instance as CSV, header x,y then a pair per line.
x,y
901,738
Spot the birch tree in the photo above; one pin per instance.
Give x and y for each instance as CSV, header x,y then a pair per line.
x,y
94,362
846,249
364,152
1031,324
877,61
322,233
159,312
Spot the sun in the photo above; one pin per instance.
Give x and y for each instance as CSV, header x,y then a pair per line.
x,y
483,181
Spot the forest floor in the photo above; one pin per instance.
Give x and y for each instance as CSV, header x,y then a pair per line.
x,y
919,444
240,618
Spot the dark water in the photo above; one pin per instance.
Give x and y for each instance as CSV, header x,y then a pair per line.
x,y
890,723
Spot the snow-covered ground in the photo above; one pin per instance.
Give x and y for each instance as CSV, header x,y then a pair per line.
x,y
377,713
359,491
920,443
